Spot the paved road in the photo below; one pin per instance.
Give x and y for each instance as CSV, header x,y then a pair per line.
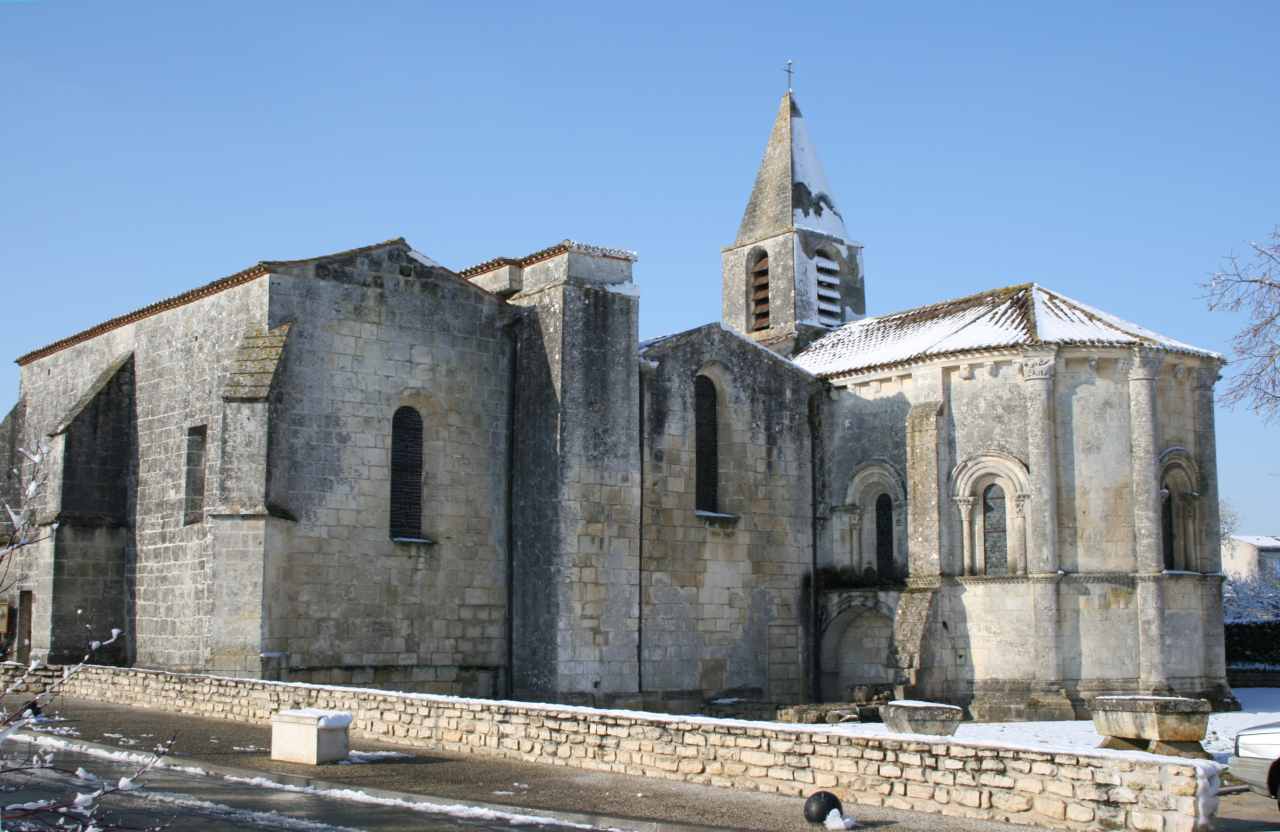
x,y
184,800
629,802
1247,813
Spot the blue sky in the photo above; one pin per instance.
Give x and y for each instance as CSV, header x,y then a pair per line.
x,y
1112,153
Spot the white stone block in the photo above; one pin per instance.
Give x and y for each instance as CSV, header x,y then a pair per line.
x,y
309,736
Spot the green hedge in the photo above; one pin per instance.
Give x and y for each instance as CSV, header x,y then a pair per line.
x,y
1253,643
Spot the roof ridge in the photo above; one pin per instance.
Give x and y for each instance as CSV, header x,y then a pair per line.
x,y
191,295
998,296
359,250
953,302
1020,315
547,253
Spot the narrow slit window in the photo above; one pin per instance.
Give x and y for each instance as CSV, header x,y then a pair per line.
x,y
995,539
406,475
1168,531
759,281
706,445
884,536
193,502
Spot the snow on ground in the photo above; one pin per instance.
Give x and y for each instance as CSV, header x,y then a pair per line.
x,y
1260,706
456,810
355,757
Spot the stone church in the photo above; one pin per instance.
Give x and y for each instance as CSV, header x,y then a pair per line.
x,y
366,468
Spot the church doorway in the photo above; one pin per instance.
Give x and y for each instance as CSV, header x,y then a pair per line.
x,y
857,650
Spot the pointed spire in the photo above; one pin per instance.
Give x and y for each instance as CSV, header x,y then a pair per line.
x,y
791,189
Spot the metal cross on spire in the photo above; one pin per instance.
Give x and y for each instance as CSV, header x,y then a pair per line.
x,y
790,73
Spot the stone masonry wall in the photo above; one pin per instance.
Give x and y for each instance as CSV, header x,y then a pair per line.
x,y
1002,638
1042,789
372,331
576,489
180,359
724,604
10,465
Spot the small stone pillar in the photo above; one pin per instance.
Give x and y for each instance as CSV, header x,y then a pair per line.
x,y
1152,672
1158,724
310,736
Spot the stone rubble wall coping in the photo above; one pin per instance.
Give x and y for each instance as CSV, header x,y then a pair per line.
x,y
1048,788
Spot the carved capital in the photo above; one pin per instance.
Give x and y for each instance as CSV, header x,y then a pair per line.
x,y
1039,365
1206,378
1144,364
1020,503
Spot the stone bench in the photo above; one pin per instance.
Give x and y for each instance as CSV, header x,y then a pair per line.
x,y
1158,724
310,736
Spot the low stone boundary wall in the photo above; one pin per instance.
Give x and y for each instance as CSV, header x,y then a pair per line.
x,y
1097,790
19,680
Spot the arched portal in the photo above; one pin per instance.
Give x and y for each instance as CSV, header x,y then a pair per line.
x,y
857,650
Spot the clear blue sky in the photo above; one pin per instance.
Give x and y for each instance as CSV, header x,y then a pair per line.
x,y
1115,154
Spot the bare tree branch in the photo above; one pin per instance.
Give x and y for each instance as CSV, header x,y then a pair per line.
x,y
1252,286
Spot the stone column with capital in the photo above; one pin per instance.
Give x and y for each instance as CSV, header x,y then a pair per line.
x,y
969,563
1210,555
1039,509
1038,368
1149,562
855,538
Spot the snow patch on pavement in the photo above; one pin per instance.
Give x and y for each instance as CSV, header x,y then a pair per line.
x,y
455,810
247,817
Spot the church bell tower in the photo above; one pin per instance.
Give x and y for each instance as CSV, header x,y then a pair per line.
x,y
792,275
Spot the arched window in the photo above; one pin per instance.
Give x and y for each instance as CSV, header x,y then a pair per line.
x,y
406,474
884,536
758,280
991,490
706,445
870,525
995,540
1179,510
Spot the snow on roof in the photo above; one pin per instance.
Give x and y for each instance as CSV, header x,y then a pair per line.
x,y
1261,541
806,170
791,189
1022,315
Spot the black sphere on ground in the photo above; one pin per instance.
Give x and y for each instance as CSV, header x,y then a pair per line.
x,y
819,805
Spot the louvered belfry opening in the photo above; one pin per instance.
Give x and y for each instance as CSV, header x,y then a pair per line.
x,y
406,474
830,310
706,445
759,274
